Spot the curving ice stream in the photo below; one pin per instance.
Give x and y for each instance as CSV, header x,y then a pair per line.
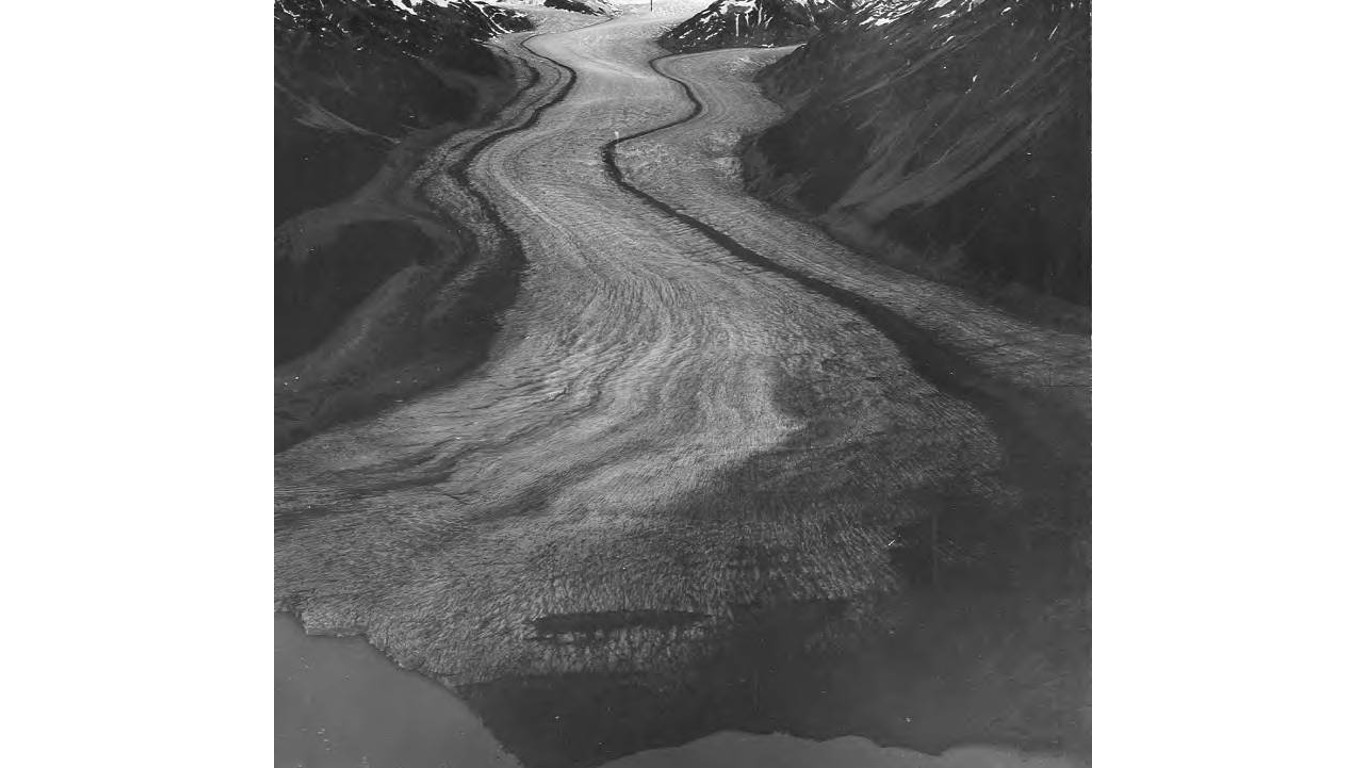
x,y
698,413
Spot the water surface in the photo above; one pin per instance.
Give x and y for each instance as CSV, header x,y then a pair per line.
x,y
340,704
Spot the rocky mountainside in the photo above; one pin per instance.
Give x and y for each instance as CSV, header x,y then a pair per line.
x,y
592,7
352,77
729,23
949,137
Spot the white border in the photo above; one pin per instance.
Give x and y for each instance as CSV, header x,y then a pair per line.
x,y
138,319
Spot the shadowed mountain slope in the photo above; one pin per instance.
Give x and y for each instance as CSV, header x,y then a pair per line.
x,y
352,77
949,138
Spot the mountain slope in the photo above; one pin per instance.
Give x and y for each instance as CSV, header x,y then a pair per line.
x,y
354,76
949,138
730,23
591,7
